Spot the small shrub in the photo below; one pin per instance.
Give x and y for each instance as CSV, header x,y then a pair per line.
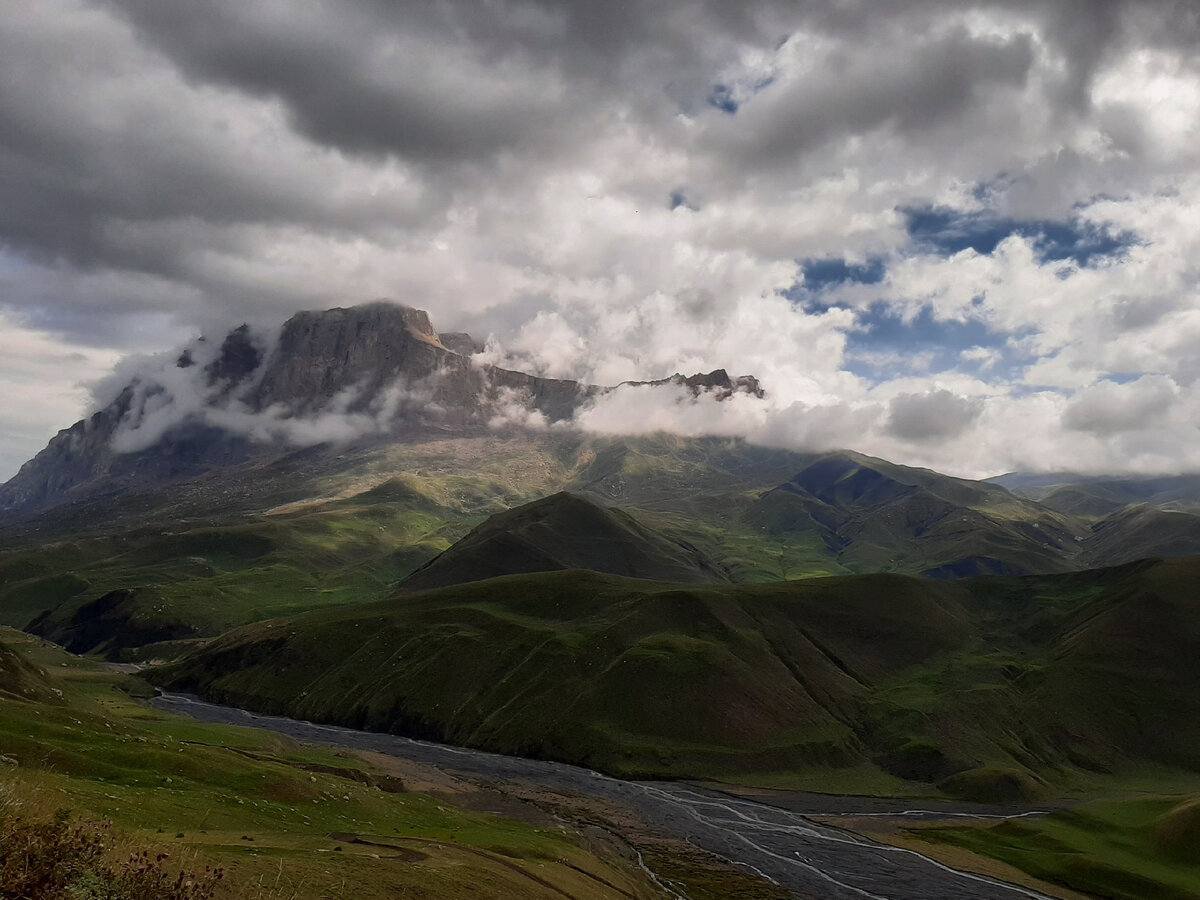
x,y
41,859
56,860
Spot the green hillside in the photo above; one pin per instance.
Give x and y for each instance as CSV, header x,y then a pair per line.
x,y
614,673
142,575
876,516
282,820
992,688
1134,848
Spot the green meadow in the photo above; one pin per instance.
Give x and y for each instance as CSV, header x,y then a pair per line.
x,y
282,820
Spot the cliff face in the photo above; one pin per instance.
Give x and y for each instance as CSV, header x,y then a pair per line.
x,y
74,456
320,354
378,370
80,461
357,353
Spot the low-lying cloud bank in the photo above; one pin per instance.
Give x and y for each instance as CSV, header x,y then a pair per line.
x,y
954,424
1110,429
167,391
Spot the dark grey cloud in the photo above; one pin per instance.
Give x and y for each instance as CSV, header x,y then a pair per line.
x,y
99,143
94,142
364,78
906,89
454,83
932,416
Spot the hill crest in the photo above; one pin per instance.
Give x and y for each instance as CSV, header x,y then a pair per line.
x,y
561,532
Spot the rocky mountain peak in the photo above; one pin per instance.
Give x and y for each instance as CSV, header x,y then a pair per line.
x,y
716,383
374,371
238,359
460,342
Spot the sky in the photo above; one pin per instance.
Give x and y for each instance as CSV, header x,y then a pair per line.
x,y
963,235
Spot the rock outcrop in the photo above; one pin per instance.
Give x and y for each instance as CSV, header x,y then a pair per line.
x,y
716,383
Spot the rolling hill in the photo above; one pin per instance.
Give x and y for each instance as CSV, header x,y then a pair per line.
x,y
336,525
875,515
564,531
197,526
993,688
1104,494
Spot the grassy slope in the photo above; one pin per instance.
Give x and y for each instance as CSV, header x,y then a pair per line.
x,y
1116,848
877,516
264,807
310,531
566,531
329,527
995,689
626,675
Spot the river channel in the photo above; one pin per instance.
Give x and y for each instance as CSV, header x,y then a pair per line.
x,y
781,845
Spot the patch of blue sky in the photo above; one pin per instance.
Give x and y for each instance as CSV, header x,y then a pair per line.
x,y
722,97
815,293
945,231
728,98
882,343
1123,377
823,273
885,345
679,198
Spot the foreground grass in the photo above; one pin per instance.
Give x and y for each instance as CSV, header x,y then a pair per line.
x,y
1144,848
280,819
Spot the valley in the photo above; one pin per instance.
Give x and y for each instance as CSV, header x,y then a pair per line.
x,y
790,850
998,675
280,818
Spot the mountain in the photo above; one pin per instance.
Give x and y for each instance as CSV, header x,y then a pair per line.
x,y
565,531
376,368
1134,532
263,477
992,687
324,526
379,371
877,515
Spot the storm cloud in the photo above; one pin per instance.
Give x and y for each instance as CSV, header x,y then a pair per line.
x,y
624,190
